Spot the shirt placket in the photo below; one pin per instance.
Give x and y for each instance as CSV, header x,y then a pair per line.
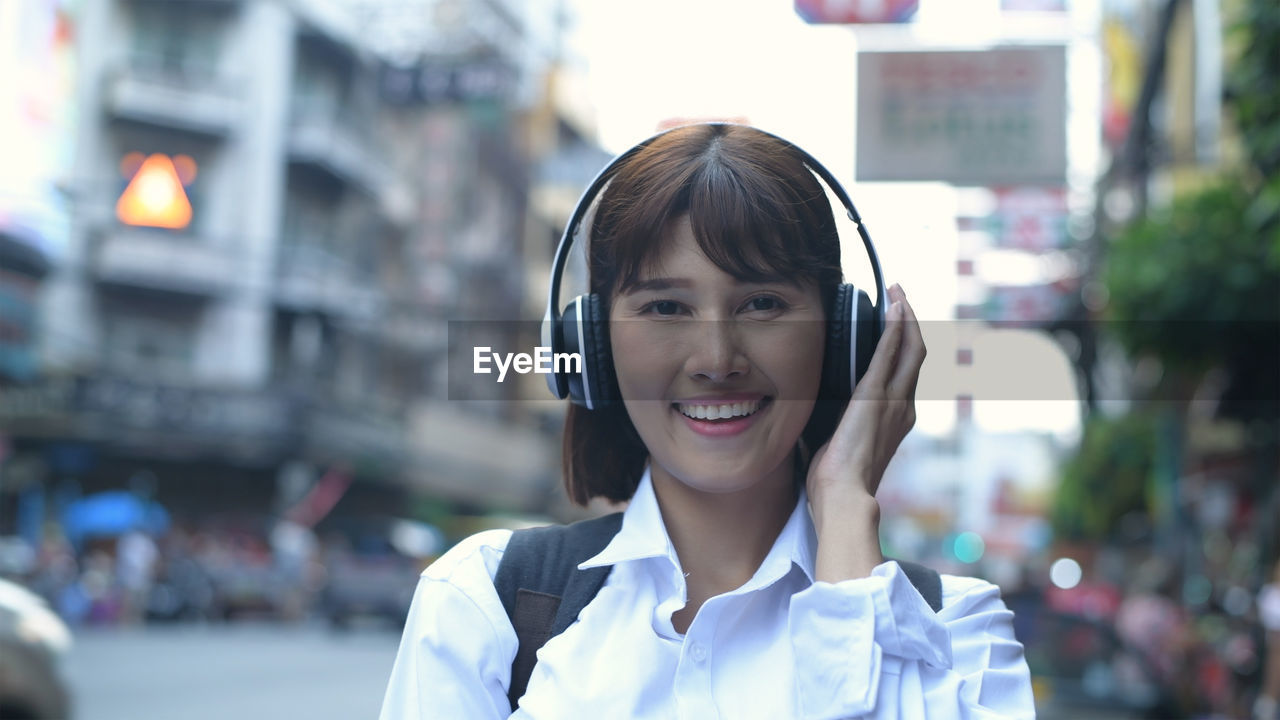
x,y
693,686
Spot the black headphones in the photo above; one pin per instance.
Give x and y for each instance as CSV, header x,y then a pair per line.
x,y
853,330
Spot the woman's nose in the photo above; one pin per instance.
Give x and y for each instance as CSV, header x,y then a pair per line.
x,y
715,352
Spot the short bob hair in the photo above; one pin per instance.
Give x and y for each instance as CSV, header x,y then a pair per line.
x,y
757,212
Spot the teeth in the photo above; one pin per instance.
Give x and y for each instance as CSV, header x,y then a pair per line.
x,y
718,412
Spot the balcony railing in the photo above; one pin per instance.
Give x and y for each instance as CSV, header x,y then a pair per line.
x,y
312,277
158,260
180,419
337,144
179,95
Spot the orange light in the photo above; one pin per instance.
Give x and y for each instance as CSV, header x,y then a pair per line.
x,y
185,167
131,163
155,196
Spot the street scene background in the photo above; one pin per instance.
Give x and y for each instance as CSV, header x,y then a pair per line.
x,y
234,235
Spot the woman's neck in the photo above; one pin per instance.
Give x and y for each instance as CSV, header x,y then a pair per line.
x,y
722,538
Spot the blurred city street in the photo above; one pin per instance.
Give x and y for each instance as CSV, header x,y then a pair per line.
x,y
248,671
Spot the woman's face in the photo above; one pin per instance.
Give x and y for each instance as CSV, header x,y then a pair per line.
x,y
718,375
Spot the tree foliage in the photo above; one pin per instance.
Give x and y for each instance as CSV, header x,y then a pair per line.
x,y
1192,283
1197,284
1108,477
1252,86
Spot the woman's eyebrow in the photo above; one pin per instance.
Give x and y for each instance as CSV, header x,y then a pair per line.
x,y
667,283
658,284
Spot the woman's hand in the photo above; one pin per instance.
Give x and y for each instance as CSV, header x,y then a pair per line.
x,y
845,473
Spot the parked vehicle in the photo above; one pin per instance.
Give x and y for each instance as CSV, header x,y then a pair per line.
x,y
1080,667
33,641
373,566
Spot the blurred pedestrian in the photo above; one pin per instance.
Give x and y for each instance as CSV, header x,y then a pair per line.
x,y
136,559
1151,622
745,577
1267,706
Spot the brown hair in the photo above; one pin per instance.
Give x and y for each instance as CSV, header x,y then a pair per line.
x,y
756,212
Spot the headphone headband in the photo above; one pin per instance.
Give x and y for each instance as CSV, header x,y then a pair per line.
x,y
605,175
552,319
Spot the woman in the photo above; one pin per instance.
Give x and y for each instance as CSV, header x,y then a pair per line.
x,y
746,579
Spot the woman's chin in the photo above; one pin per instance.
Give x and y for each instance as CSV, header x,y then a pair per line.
x,y
731,475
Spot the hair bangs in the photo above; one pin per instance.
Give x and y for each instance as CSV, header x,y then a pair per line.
x,y
756,211
751,226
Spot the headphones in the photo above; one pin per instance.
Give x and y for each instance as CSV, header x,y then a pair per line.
x,y
853,329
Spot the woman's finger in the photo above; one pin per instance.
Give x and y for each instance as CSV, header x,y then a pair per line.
x,y
870,389
886,354
907,371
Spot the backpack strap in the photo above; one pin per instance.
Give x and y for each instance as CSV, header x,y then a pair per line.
x,y
543,590
926,580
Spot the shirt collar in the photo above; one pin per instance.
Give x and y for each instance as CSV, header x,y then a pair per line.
x,y
643,535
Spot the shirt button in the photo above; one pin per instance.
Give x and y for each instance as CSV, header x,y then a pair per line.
x,y
698,652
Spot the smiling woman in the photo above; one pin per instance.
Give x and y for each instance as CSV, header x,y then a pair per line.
x,y
691,345
745,402
712,199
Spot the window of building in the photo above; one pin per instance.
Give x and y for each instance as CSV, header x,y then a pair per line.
x,y
177,39
145,344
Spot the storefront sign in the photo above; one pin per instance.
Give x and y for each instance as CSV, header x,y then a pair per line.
x,y
969,118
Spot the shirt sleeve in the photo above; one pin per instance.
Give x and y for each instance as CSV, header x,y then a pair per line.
x,y
872,647
455,655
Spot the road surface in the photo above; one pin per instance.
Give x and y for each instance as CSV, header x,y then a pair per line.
x,y
242,671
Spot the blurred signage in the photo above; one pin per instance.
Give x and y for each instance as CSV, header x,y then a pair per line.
x,y
1030,218
37,73
117,405
856,11
1027,304
156,195
990,117
321,498
1122,47
675,122
432,83
17,320
1033,5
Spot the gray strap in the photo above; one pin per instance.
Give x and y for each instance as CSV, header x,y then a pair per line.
x,y
927,581
542,589
534,615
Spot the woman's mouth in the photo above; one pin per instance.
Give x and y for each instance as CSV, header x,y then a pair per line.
x,y
719,411
719,419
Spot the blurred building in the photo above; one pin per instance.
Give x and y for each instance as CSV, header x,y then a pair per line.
x,y
270,230
35,56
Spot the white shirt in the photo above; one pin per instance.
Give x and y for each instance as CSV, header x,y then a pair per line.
x,y
780,646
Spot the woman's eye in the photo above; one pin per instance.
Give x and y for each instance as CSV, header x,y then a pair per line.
x,y
663,307
764,303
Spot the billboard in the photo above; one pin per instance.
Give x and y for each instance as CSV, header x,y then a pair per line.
x,y
847,12
967,117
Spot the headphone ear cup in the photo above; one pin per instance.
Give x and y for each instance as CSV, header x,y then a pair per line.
x,y
570,336
867,332
836,382
597,355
